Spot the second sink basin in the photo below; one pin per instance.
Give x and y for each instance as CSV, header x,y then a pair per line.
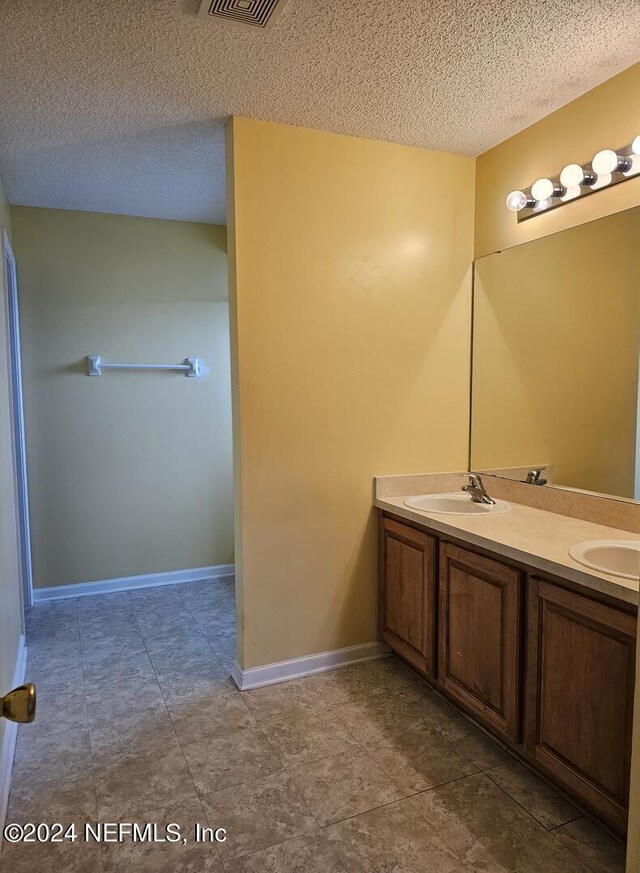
x,y
455,503
616,557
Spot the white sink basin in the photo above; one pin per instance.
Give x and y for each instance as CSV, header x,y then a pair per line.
x,y
616,557
455,503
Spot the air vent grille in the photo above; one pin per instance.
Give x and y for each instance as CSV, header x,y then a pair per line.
x,y
247,13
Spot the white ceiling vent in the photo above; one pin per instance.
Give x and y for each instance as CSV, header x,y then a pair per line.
x,y
246,13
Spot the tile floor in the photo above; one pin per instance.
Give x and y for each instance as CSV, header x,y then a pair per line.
x,y
362,770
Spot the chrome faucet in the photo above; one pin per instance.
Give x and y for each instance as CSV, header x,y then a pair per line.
x,y
475,487
533,477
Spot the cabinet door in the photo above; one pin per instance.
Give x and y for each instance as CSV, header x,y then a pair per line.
x,y
407,614
580,695
480,637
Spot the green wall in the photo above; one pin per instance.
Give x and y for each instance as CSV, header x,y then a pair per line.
x,y
129,473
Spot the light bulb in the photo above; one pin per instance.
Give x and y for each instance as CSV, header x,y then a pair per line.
x,y
635,145
607,161
574,175
517,200
542,189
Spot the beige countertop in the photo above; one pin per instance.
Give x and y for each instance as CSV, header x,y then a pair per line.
x,y
531,536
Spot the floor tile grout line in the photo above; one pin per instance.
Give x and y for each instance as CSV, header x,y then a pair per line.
x,y
580,815
539,823
397,800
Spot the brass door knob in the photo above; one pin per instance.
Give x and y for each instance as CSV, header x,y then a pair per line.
x,y
19,704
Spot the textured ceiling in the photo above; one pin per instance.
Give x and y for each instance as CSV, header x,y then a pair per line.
x,y
118,105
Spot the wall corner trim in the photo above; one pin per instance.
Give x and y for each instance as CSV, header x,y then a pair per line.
x,y
128,583
296,668
8,750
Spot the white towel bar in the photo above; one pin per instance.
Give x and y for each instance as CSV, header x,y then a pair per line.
x,y
192,367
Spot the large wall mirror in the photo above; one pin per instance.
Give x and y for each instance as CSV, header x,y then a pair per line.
x,y
556,352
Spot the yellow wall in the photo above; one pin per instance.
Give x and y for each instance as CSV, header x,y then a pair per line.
x,y
10,597
352,286
129,473
601,118
556,340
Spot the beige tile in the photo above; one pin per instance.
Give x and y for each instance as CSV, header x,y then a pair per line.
x,y
167,857
287,700
195,657
223,643
59,707
62,755
127,786
117,667
137,732
589,842
218,713
62,631
231,759
122,695
113,653
542,801
161,858
179,651
152,624
474,743
34,798
258,814
42,675
345,685
76,857
344,785
394,838
109,625
180,686
310,736
390,674
52,657
308,854
419,758
486,829
104,605
143,598
113,637
381,716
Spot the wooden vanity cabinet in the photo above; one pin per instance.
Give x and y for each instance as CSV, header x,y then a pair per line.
x,y
407,593
480,637
545,665
580,683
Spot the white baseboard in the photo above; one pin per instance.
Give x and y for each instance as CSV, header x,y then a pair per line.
x,y
8,750
128,583
296,668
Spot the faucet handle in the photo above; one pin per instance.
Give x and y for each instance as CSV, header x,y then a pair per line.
x,y
474,480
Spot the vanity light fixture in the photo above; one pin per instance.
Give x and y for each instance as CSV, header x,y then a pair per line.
x,y
608,167
573,175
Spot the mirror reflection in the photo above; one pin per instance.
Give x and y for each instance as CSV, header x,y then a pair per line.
x,y
555,358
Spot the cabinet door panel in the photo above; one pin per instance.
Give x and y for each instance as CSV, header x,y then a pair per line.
x,y
581,682
408,590
480,639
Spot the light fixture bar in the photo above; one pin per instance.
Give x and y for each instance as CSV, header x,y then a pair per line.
x,y
608,167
